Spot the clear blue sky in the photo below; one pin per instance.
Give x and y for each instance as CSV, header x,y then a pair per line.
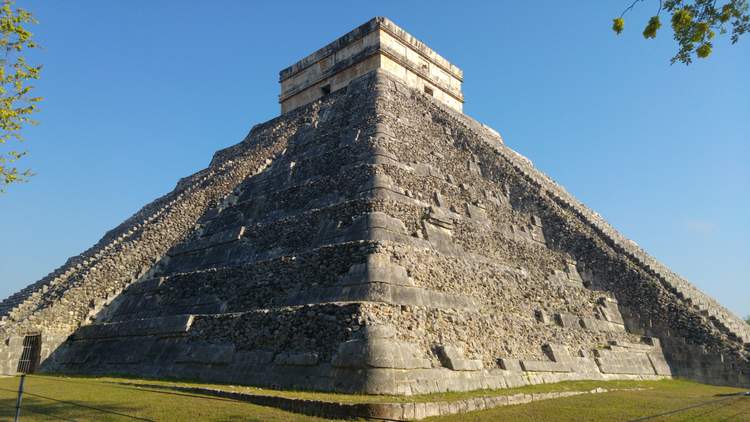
x,y
141,93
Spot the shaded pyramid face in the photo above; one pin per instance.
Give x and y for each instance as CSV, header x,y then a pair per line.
x,y
373,241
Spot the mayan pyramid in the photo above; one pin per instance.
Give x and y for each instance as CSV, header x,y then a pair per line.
x,y
371,239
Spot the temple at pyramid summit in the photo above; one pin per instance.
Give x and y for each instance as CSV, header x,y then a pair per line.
x,y
371,239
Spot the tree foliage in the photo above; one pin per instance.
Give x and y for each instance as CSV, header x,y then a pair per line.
x,y
16,102
747,319
695,23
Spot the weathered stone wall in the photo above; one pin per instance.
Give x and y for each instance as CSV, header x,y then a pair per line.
x,y
12,348
377,44
653,301
547,188
257,279
61,302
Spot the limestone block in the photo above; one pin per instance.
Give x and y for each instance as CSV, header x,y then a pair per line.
x,y
594,324
510,364
476,213
254,357
628,345
351,354
370,226
124,351
573,275
635,363
568,320
377,353
377,291
519,399
609,309
424,170
379,331
386,412
382,129
544,366
441,218
440,239
150,285
380,181
207,353
557,352
439,199
296,359
75,354
537,234
474,169
541,316
453,358
377,268
384,221
558,277
661,367
171,325
424,386
15,342
518,233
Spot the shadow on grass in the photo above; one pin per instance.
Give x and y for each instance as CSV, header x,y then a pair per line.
x,y
62,408
723,401
50,408
318,408
742,393
140,387
174,390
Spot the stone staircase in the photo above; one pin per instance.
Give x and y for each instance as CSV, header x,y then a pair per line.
x,y
53,287
25,300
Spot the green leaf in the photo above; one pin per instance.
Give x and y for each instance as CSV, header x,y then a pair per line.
x,y
653,25
618,24
704,50
681,20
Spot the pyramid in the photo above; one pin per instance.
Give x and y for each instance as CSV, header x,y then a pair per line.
x,y
371,239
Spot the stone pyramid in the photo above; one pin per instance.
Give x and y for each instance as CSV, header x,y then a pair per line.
x,y
371,239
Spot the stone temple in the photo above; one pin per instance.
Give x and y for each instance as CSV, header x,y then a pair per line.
x,y
371,239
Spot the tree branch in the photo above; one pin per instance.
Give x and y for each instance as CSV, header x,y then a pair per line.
x,y
632,5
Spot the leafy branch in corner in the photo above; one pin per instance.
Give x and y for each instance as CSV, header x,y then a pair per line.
x,y
16,102
695,23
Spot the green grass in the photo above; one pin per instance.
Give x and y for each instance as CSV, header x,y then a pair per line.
x,y
51,398
110,398
667,400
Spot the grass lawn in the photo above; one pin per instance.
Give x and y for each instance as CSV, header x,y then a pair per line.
x,y
53,398
668,400
121,399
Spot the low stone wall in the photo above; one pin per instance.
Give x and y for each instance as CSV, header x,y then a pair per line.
x,y
408,411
